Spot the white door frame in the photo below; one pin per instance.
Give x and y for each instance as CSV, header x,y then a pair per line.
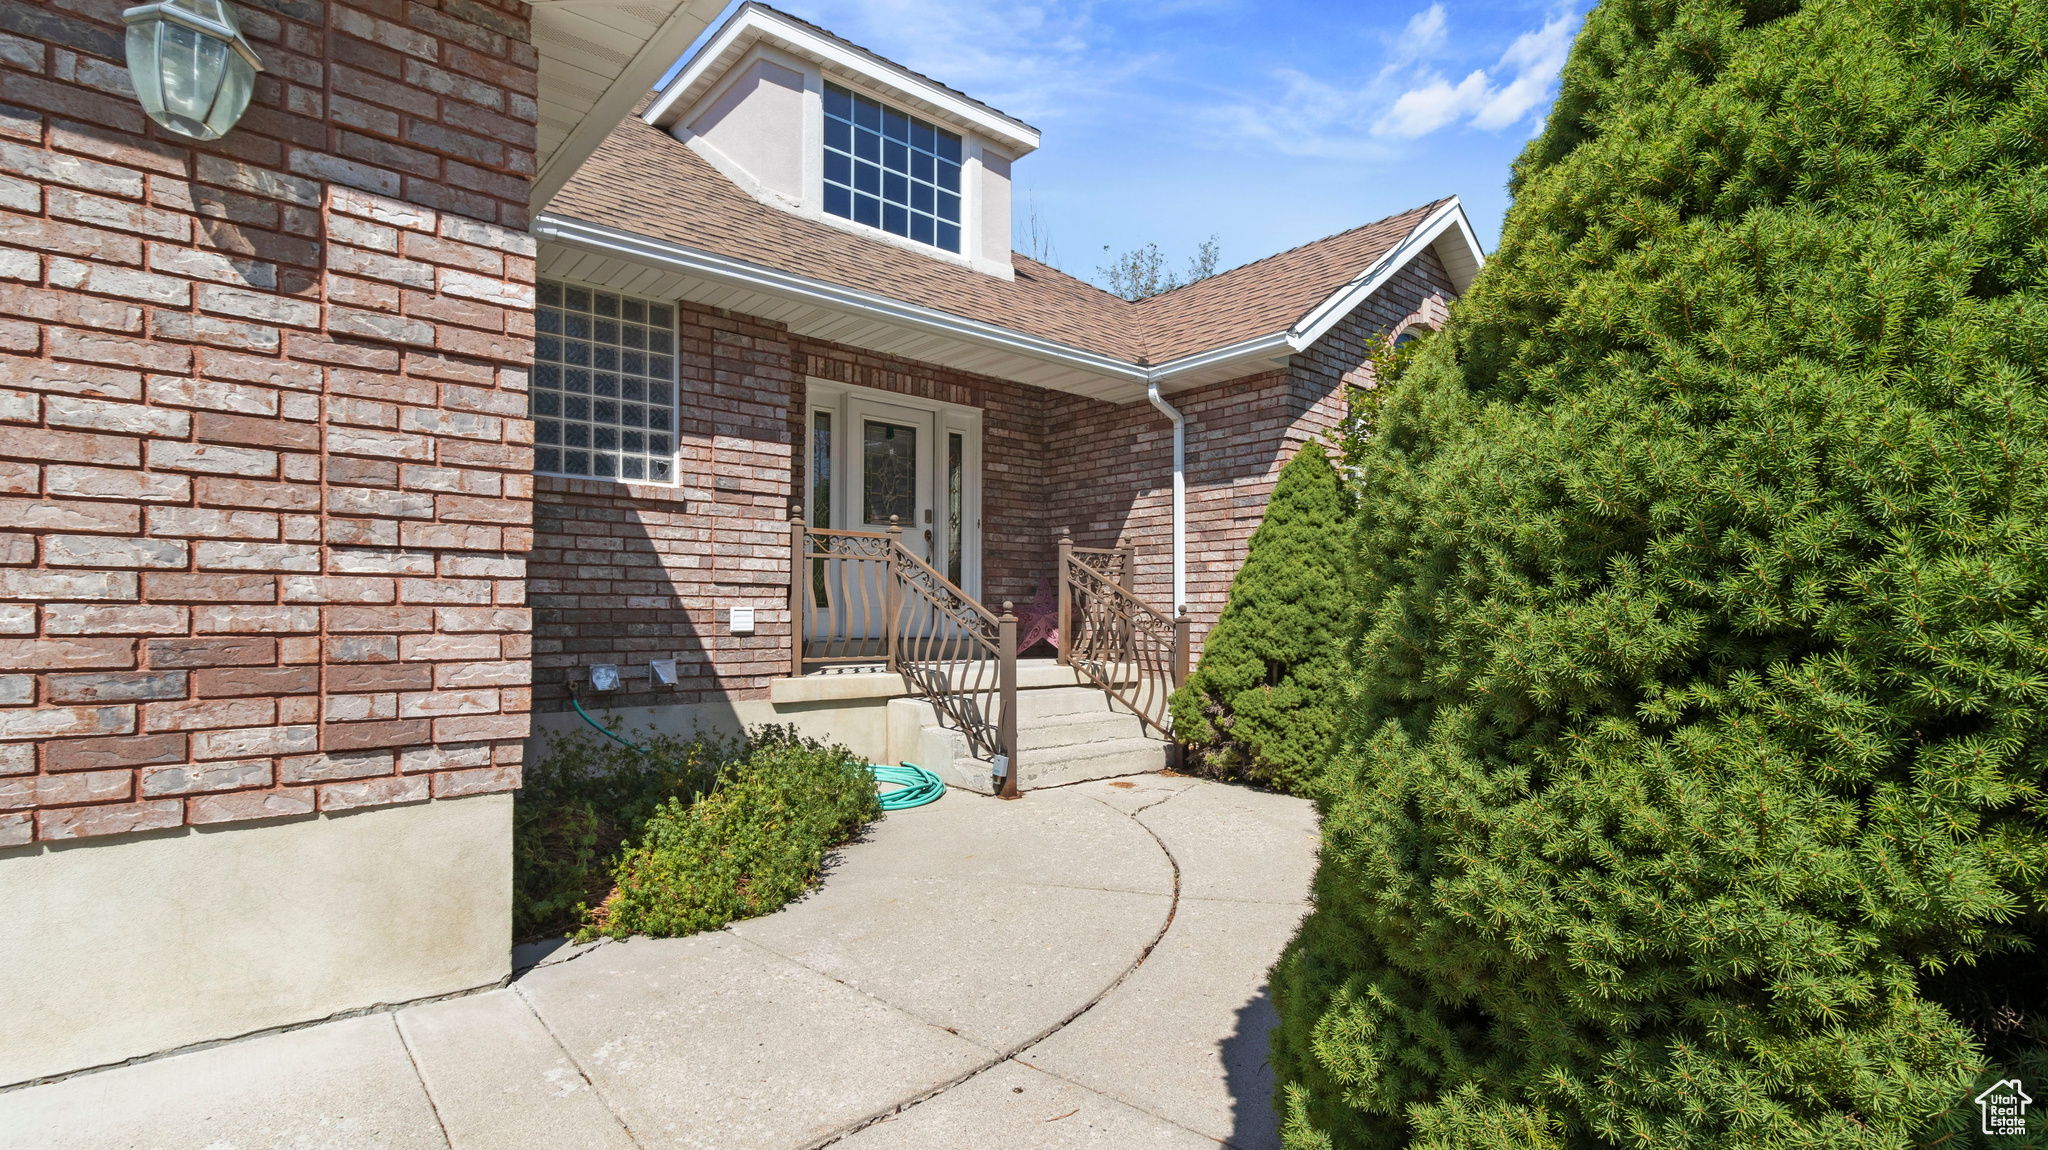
x,y
846,404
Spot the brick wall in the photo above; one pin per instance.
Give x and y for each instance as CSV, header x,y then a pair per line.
x,y
264,466
626,573
1115,485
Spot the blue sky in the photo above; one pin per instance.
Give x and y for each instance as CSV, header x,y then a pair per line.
x,y
1268,124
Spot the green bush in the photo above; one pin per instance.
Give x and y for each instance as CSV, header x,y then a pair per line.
x,y
1689,782
751,845
1257,706
580,803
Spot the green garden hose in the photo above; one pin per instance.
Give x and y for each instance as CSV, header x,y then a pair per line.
x,y
595,726
915,786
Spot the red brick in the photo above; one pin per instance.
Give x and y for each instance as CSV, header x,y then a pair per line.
x,y
101,754
216,651
255,681
361,736
287,802
124,818
211,427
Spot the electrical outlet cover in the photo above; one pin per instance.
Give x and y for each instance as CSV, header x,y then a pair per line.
x,y
604,677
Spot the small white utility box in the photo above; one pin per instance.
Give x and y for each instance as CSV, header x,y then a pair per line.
x,y
742,620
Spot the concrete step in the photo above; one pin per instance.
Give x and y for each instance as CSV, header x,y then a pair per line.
x,y
1056,733
1047,702
1104,760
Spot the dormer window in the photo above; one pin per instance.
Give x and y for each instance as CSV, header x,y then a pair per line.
x,y
891,171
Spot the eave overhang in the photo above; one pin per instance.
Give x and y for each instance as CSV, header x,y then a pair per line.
x,y
598,59
627,261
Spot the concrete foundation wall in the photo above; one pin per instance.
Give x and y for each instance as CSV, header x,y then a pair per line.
x,y
860,725
123,948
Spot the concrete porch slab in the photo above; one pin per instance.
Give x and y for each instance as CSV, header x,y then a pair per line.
x,y
714,1036
1017,1108
1058,838
1185,1037
1238,843
996,919
499,1080
997,962
340,1086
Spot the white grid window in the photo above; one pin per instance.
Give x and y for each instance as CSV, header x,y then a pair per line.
x,y
891,171
603,395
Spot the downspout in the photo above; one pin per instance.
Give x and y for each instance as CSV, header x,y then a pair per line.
x,y
1180,495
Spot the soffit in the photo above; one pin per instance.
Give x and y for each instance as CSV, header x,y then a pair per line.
x,y
598,59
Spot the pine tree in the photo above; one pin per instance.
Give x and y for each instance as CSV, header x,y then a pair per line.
x,y
1257,706
1691,756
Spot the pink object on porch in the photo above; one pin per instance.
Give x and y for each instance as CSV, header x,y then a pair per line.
x,y
1039,619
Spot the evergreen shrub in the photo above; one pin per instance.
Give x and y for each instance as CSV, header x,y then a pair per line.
x,y
751,845
1257,706
584,799
1688,788
694,834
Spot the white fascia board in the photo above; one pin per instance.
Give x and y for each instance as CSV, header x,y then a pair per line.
x,y
753,23
740,273
1257,349
1447,223
1325,315
684,23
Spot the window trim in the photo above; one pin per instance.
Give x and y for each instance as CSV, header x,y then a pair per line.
x,y
825,185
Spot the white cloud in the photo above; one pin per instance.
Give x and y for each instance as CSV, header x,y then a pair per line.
x,y
1028,59
1404,98
1527,67
1425,36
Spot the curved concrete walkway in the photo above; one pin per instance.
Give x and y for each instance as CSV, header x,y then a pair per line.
x,y
1084,967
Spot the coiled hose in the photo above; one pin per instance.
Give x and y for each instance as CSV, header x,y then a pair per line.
x,y
915,786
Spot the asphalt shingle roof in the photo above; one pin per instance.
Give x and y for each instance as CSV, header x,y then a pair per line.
x,y
642,180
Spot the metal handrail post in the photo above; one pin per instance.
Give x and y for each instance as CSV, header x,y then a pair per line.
x,y
892,592
1006,683
1064,620
1127,578
799,591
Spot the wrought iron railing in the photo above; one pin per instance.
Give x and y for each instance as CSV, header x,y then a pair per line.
x,y
866,598
1120,643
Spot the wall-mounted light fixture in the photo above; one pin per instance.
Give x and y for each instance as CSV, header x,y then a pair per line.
x,y
192,70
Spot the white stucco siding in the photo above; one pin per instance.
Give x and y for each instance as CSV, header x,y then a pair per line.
x,y
757,123
994,208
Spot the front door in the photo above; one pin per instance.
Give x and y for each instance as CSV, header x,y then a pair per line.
x,y
874,455
892,453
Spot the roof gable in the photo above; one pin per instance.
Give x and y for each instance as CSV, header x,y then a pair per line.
x,y
1232,323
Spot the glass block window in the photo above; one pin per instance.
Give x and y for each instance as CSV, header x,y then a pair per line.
x,y
603,397
891,171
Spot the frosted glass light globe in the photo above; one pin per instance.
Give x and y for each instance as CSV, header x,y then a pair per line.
x,y
193,72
